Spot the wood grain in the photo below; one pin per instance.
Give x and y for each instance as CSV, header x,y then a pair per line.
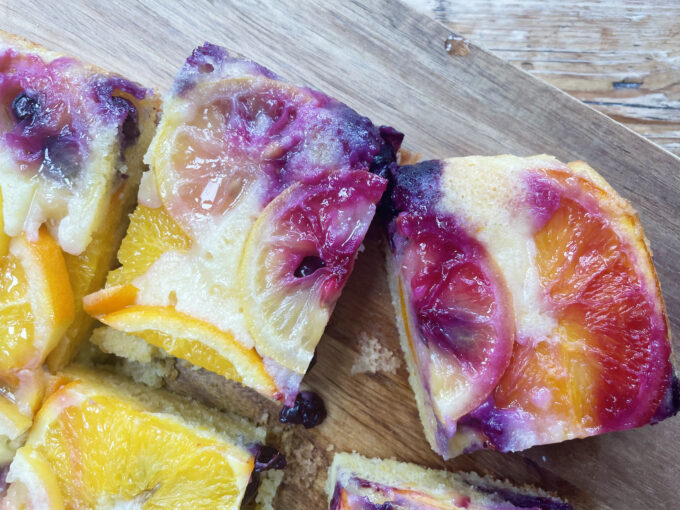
x,y
620,57
389,62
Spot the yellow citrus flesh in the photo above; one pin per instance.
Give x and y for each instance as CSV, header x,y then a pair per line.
x,y
196,341
12,422
102,449
4,238
36,302
151,233
87,273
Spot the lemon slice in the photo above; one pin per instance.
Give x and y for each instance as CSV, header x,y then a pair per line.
x,y
196,341
297,259
209,153
96,445
36,302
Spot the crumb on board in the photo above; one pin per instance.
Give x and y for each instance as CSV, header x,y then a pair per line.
x,y
374,357
307,461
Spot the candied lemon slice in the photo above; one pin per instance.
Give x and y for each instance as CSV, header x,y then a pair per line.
x,y
194,340
96,446
298,257
36,302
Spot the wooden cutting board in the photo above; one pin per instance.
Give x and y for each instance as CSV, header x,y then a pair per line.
x,y
391,64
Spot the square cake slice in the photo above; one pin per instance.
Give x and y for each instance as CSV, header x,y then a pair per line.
x,y
100,441
259,196
72,140
357,483
527,302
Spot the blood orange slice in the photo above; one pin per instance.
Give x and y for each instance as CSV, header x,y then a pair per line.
x,y
609,368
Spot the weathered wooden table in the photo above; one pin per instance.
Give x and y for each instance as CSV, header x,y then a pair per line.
x,y
620,57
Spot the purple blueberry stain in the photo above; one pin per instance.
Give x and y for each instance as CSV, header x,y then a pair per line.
x,y
543,197
293,133
416,188
119,109
670,402
210,58
129,128
53,105
61,158
308,410
520,500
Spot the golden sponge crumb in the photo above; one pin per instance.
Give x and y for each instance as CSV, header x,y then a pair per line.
x,y
374,357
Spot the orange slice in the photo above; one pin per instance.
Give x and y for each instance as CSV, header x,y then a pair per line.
x,y
36,302
196,341
96,445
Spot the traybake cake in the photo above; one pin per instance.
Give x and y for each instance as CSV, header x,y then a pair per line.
x,y
357,483
72,138
528,306
258,199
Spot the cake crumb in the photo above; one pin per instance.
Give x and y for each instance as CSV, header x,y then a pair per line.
x,y
330,447
307,460
374,357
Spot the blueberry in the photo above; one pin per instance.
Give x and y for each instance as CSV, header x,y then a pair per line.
x,y
268,457
308,265
308,410
25,107
61,160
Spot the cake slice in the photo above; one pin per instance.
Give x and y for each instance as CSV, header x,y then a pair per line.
x,y
72,139
100,441
258,199
357,483
528,306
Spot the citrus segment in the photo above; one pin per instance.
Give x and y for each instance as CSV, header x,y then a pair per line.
x,y
297,259
151,233
196,341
